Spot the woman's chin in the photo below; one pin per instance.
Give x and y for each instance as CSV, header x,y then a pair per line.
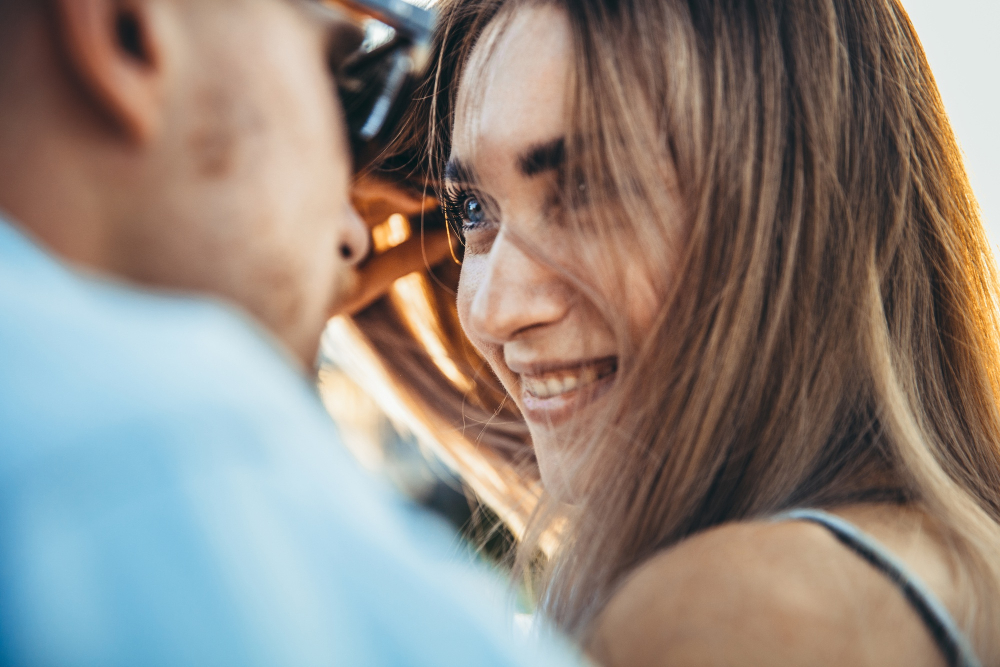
x,y
559,472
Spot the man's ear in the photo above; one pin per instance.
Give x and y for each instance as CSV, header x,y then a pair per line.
x,y
111,48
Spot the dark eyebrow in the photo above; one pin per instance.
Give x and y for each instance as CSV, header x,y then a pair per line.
x,y
543,157
456,170
537,159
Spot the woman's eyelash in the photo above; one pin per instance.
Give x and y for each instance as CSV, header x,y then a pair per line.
x,y
465,208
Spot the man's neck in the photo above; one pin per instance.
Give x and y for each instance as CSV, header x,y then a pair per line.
x,y
64,230
50,153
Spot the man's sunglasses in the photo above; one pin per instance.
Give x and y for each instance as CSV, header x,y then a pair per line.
x,y
376,82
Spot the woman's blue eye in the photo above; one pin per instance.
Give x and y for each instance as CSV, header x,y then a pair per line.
x,y
472,210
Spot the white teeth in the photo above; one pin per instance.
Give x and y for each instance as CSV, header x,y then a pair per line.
x,y
565,382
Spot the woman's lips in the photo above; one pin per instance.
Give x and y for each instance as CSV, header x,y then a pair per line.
x,y
552,397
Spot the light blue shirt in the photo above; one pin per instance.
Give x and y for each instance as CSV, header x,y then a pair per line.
x,y
173,493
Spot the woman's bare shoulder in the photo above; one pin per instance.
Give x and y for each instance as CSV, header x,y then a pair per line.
x,y
759,593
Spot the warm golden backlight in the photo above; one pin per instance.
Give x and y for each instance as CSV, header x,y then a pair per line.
x,y
409,294
391,233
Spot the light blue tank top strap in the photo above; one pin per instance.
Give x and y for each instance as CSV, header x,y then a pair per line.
x,y
954,645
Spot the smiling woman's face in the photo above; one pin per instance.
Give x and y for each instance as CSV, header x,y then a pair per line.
x,y
551,347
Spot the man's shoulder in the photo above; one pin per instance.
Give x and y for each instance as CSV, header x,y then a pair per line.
x,y
82,353
167,455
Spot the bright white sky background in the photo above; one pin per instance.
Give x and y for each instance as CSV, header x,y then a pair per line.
x,y
962,41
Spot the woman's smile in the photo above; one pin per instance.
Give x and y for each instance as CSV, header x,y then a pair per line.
x,y
550,397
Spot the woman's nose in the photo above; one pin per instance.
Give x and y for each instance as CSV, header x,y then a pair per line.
x,y
354,238
514,292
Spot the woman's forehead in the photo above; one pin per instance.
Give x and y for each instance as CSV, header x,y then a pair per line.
x,y
513,93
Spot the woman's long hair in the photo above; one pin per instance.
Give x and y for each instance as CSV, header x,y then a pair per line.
x,y
830,332
407,349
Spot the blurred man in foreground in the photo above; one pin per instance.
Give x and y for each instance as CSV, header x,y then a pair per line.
x,y
171,491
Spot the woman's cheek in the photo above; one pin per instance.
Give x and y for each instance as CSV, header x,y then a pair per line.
x,y
474,268
468,283
644,302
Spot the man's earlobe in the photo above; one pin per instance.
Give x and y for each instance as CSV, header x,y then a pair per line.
x,y
111,48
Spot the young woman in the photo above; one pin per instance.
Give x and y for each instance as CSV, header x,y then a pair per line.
x,y
724,258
